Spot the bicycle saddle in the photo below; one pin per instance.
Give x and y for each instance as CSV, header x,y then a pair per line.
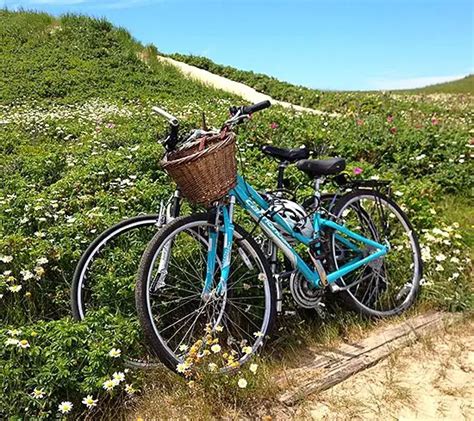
x,y
286,154
317,167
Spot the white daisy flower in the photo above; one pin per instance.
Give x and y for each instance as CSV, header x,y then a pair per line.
x,y
23,344
89,401
242,383
115,353
216,348
38,393
253,368
11,341
182,367
119,376
247,350
109,384
27,275
130,389
65,407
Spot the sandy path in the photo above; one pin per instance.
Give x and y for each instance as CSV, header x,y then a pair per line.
x,y
236,88
431,380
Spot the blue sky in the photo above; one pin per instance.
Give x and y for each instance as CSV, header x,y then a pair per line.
x,y
327,44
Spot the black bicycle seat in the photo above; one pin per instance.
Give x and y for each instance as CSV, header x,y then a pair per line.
x,y
286,154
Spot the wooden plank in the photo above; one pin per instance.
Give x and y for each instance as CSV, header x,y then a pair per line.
x,y
336,365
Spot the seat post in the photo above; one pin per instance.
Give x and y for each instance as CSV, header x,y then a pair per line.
x,y
281,170
317,193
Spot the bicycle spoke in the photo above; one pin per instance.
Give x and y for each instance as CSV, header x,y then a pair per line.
x,y
180,313
377,283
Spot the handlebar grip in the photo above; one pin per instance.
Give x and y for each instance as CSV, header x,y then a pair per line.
x,y
250,109
171,118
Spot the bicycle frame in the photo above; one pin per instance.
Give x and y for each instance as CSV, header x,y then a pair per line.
x,y
244,194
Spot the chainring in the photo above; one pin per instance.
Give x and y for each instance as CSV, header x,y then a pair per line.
x,y
304,294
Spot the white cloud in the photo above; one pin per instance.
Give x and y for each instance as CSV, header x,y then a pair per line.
x,y
410,83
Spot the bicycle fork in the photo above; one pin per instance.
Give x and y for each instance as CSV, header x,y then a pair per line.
x,y
166,214
227,227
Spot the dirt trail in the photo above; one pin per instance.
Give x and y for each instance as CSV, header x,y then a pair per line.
x,y
431,380
236,88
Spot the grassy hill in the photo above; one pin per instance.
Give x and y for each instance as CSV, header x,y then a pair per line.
x,y
78,152
308,97
460,86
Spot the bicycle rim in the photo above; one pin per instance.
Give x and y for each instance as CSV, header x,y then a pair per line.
x,y
388,285
177,312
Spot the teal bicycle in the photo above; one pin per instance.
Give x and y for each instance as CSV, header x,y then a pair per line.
x,y
207,271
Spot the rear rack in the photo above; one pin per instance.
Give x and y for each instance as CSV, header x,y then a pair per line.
x,y
346,181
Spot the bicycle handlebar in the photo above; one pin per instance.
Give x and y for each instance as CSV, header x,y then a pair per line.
x,y
172,139
239,114
250,109
171,118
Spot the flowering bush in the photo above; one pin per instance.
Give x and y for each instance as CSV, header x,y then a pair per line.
x,y
211,369
79,153
60,365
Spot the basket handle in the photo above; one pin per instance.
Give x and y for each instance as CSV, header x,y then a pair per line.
x,y
202,143
204,139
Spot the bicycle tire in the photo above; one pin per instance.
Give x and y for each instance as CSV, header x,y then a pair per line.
x,y
347,297
157,344
79,277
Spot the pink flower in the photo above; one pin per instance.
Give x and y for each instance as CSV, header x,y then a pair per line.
x,y
434,121
360,122
274,125
358,170
393,130
110,125
389,119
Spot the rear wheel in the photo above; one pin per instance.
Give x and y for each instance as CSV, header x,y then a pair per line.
x,y
105,274
386,286
104,280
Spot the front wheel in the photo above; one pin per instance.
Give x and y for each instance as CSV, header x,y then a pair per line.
x,y
175,314
386,286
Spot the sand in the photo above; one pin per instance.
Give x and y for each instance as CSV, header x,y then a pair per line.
x,y
430,380
236,88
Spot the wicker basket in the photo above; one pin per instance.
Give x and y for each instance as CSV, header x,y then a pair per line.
x,y
205,171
